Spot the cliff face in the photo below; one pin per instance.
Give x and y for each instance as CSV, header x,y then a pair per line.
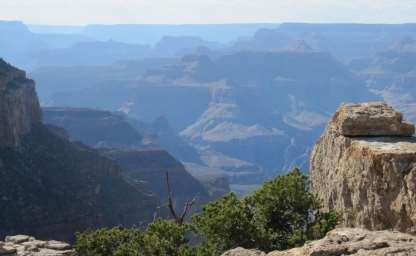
x,y
96,128
364,166
149,167
49,186
117,139
19,106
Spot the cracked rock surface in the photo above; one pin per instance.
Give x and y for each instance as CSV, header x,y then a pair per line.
x,y
347,241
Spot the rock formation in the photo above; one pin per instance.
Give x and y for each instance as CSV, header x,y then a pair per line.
x,y
19,106
95,128
22,245
243,252
347,241
370,119
364,167
149,167
115,138
49,186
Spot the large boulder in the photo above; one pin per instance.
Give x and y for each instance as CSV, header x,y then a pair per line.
x,y
364,167
347,241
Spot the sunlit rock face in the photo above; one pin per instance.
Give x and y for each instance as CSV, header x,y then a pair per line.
x,y
364,167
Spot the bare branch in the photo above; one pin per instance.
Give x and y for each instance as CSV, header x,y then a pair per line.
x,y
170,198
187,207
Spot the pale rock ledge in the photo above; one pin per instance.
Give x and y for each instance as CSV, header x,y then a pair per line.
x,y
347,241
370,119
22,245
364,167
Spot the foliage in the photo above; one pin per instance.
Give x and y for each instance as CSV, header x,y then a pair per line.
x,y
104,242
282,214
161,238
227,223
165,237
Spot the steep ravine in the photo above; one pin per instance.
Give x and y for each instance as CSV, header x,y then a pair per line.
x,y
51,187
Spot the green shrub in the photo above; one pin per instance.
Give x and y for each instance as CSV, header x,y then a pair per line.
x,y
227,223
165,238
105,242
161,238
282,214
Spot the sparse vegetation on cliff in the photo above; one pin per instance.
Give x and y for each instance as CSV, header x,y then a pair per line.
x,y
282,214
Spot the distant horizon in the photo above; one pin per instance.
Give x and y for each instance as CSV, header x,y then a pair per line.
x,y
213,23
83,12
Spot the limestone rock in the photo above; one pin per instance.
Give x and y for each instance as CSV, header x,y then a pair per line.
x,y
357,242
18,239
370,119
22,245
370,180
57,245
7,249
348,241
243,252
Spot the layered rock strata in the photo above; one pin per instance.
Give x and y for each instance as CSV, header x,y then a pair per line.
x,y
364,167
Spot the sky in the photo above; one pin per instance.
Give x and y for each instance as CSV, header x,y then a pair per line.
x,y
80,12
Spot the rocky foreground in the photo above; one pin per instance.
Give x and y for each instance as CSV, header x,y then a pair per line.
x,y
347,241
364,166
22,245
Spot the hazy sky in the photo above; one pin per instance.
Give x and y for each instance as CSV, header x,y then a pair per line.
x,y
206,11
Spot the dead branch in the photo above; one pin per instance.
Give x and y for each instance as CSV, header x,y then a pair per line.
x,y
187,207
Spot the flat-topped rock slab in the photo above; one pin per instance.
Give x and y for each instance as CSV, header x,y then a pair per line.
x,y
370,119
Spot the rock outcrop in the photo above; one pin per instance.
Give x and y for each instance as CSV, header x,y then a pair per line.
x,y
19,106
149,167
364,167
347,241
51,187
22,245
243,252
95,128
370,119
